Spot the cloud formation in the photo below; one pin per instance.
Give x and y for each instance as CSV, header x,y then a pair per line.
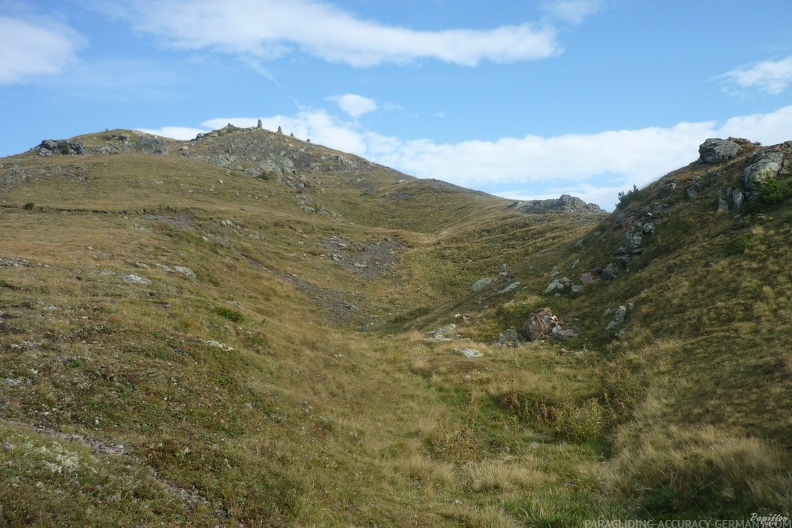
x,y
28,49
593,166
355,105
270,29
572,11
773,77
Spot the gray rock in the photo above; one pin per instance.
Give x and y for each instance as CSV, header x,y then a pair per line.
x,y
631,243
716,150
648,228
150,145
723,203
737,198
441,334
184,270
469,352
510,338
766,167
258,125
510,287
610,271
564,204
587,278
565,334
693,190
577,288
135,279
618,317
544,325
557,284
481,284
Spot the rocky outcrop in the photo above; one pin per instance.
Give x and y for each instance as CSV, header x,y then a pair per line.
x,y
564,204
49,147
716,150
766,165
543,325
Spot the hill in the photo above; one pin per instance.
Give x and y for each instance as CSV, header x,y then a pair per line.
x,y
248,328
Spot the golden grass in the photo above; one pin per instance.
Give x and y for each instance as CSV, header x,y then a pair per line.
x,y
246,386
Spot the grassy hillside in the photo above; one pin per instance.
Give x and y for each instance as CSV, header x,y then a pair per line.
x,y
236,333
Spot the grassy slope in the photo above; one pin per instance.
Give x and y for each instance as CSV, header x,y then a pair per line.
x,y
238,395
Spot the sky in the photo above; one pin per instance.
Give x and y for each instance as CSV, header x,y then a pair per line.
x,y
525,99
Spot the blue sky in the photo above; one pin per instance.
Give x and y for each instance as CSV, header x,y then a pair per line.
x,y
523,99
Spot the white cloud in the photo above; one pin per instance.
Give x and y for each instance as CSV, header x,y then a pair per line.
x,y
769,76
594,167
27,49
355,105
274,28
572,11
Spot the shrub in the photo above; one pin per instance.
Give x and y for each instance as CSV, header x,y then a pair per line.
x,y
774,191
230,314
28,206
739,244
626,198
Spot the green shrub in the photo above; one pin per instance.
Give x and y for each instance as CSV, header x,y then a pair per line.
x,y
626,198
28,206
230,314
774,191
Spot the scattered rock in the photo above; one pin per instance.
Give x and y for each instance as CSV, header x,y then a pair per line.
x,y
481,284
618,317
610,271
544,325
693,190
441,334
631,243
557,285
648,228
587,278
510,287
469,352
577,288
135,279
510,338
716,150
184,270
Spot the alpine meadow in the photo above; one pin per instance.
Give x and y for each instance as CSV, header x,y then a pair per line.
x,y
251,329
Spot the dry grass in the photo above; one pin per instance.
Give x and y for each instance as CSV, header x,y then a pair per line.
x,y
277,387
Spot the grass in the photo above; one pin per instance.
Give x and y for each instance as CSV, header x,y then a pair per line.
x,y
277,387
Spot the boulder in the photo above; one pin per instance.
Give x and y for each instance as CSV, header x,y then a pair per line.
x,y
737,198
610,271
618,317
557,285
723,202
510,338
631,243
441,334
469,352
544,325
150,145
693,190
766,167
716,150
481,284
